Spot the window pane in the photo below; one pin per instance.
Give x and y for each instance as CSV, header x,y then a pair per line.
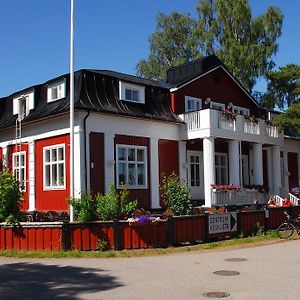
x,y
121,153
47,156
128,94
135,95
54,175
61,153
217,160
192,175
122,173
22,162
54,155
61,179
131,174
131,154
22,175
192,159
140,155
54,94
197,174
223,176
16,161
141,174
222,160
197,159
47,175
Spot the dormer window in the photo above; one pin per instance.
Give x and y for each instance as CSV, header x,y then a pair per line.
x,y
192,104
241,110
131,92
56,90
23,104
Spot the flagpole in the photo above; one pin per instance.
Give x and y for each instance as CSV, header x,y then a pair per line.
x,y
72,109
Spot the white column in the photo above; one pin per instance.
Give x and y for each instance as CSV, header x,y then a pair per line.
x,y
5,157
154,173
234,171
31,175
109,159
182,161
79,163
257,164
270,168
209,168
285,184
276,169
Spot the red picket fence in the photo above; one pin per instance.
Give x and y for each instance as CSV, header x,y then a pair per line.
x,y
189,229
32,237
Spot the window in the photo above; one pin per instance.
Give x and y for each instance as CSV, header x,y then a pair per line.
x,y
241,110
131,166
54,167
195,170
221,168
56,91
217,105
19,167
192,104
131,92
23,104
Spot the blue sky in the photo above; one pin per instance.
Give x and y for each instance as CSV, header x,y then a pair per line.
x,y
112,35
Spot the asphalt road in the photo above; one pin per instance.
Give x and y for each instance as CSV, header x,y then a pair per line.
x,y
268,272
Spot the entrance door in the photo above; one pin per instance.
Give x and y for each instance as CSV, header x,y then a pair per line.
x,y
195,174
245,169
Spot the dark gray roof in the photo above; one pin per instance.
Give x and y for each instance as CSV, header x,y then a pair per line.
x,y
95,90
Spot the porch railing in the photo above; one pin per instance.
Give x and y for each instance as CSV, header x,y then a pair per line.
x,y
272,131
225,123
243,197
192,120
295,200
278,200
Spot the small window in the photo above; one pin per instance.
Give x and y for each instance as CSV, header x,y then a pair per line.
x,y
56,91
54,167
23,104
217,105
241,110
19,168
221,168
192,104
131,92
131,166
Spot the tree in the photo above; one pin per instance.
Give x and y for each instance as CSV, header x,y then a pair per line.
x,y
225,28
172,44
291,118
283,87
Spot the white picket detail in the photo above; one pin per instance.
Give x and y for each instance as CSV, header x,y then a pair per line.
x,y
295,200
278,200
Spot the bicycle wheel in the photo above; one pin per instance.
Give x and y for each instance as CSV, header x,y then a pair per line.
x,y
285,230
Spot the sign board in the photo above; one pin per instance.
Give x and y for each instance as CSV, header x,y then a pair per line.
x,y
218,223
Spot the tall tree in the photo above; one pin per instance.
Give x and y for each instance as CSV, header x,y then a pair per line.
x,y
291,118
172,44
283,87
225,28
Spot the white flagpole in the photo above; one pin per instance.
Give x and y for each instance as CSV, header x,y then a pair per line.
x,y
72,110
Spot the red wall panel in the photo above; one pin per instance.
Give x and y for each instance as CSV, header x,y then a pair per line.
x,y
14,149
142,195
218,86
52,199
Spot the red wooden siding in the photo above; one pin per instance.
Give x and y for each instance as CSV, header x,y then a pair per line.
x,y
293,169
53,199
97,162
142,195
250,221
14,149
168,159
217,85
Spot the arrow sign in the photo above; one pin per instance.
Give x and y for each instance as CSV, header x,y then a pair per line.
x,y
218,223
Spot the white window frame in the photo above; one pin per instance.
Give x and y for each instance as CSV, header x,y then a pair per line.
x,y
123,86
218,105
197,104
239,109
51,186
61,90
15,168
121,185
219,167
29,100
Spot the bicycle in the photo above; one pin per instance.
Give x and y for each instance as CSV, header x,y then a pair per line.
x,y
288,227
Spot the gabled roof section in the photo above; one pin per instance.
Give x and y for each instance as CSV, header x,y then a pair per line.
x,y
182,75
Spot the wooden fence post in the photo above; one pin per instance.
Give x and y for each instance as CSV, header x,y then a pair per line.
x,y
66,236
170,236
116,234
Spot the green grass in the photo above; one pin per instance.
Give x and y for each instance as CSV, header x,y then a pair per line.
x,y
260,238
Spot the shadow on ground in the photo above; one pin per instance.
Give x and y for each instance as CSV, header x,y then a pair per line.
x,y
37,281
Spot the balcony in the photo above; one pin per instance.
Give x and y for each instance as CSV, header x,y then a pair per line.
x,y
210,122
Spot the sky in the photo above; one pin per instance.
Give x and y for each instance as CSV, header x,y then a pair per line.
x,y
109,35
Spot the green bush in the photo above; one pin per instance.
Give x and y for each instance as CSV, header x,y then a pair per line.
x,y
10,197
176,195
115,205
84,207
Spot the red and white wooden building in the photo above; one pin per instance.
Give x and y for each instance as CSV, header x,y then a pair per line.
x,y
130,131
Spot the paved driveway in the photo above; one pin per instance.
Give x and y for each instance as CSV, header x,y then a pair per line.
x,y
269,272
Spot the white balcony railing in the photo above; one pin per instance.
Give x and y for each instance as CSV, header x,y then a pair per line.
x,y
244,197
272,131
251,127
225,123
192,120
